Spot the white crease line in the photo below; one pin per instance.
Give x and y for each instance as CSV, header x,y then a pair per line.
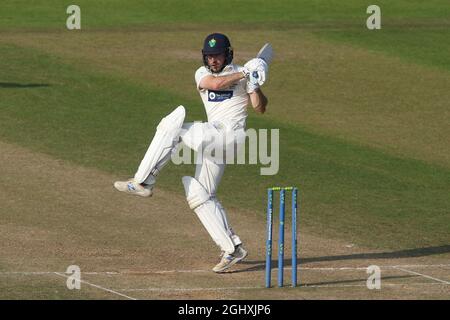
x,y
247,288
241,270
24,273
423,275
188,289
421,266
171,271
287,268
98,287
365,268
365,285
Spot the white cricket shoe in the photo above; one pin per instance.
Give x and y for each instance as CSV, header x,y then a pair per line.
x,y
130,186
229,260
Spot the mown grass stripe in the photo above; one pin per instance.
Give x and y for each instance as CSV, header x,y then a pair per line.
x,y
106,122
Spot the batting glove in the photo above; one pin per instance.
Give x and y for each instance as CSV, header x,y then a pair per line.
x,y
256,71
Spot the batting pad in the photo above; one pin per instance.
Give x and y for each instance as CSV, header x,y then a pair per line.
x,y
165,139
209,212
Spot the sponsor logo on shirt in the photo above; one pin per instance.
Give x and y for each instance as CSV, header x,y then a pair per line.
x,y
218,96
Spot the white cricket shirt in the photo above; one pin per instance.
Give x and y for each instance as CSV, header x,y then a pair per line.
x,y
226,105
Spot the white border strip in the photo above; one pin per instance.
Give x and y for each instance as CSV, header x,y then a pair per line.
x,y
423,275
98,287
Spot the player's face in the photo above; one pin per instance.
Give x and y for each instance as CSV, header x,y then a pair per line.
x,y
216,61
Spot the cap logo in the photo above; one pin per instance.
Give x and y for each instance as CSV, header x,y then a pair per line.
x,y
212,42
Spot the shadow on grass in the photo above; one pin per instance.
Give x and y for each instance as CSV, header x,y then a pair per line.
x,y
409,253
11,85
355,282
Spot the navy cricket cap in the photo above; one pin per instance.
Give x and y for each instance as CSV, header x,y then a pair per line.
x,y
216,43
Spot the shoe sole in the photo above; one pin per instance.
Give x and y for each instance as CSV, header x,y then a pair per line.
x,y
232,263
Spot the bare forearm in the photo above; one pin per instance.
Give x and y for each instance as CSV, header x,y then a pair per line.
x,y
259,101
221,82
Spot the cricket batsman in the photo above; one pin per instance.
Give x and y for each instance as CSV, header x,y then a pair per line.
x,y
226,90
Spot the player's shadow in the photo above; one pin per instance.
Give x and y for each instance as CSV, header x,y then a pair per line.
x,y
400,254
15,85
354,281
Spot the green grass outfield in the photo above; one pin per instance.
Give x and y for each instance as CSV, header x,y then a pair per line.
x,y
374,171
